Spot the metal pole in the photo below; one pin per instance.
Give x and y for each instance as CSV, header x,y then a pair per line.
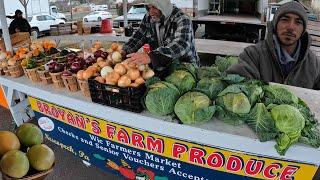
x,y
125,12
5,30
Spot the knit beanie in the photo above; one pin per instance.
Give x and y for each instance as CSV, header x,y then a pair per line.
x,y
291,7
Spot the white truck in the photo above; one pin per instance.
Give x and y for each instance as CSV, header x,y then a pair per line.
x,y
36,8
232,20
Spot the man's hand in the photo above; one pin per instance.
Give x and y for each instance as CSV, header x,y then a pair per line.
x,y
139,58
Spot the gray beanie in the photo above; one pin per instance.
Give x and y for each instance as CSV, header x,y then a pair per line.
x,y
291,7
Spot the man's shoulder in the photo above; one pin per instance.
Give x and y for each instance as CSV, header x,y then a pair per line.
x,y
178,13
259,47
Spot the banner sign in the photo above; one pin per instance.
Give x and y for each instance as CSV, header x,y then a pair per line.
x,y
138,154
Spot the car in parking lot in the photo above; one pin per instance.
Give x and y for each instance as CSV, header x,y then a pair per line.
x,y
41,23
135,16
97,16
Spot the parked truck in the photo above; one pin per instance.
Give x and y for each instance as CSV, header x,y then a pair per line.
x,y
232,20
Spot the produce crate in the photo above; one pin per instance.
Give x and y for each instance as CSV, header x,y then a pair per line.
x,y
61,29
17,40
129,99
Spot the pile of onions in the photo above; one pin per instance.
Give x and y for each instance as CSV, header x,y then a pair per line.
x,y
125,75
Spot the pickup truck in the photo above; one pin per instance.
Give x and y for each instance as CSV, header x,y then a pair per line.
x,y
135,16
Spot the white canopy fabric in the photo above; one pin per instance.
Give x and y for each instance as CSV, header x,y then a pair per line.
x,y
5,30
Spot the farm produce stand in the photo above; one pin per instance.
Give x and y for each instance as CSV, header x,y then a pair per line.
x,y
140,145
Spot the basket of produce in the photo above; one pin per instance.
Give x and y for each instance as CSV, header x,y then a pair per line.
x,y
32,71
118,84
84,87
126,98
15,68
33,75
3,68
55,71
3,62
23,156
44,75
1,72
70,81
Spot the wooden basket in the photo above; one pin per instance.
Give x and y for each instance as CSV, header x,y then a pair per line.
x,y
43,74
70,82
58,84
84,87
16,71
2,71
6,72
25,71
46,81
33,75
38,176
56,76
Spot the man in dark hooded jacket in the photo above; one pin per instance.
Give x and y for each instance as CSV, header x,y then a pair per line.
x,y
169,33
285,56
19,24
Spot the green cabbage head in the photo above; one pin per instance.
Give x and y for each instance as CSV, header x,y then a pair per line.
x,y
183,80
194,107
289,122
211,87
161,98
235,102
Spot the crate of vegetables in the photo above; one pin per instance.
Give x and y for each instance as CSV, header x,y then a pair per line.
x,y
126,98
118,84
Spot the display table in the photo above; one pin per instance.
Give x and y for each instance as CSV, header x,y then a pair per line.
x,y
127,143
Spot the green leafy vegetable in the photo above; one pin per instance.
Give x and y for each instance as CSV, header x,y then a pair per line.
x,y
232,78
223,63
289,122
211,87
194,107
161,98
277,94
260,121
183,80
208,72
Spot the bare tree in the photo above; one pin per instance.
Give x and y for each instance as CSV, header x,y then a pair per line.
x,y
25,4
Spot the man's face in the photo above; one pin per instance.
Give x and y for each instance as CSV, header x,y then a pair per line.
x,y
154,13
289,29
19,15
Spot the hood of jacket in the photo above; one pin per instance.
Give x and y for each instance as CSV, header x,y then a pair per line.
x,y
164,6
305,40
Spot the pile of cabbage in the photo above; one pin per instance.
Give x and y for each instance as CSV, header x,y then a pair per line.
x,y
196,95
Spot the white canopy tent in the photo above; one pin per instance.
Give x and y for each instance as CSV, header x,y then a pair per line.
x,y
5,30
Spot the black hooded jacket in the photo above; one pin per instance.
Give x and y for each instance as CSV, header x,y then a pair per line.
x,y
20,23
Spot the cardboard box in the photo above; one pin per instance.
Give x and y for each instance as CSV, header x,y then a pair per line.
x,y
16,39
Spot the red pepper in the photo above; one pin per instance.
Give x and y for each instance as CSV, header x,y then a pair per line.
x,y
147,172
127,173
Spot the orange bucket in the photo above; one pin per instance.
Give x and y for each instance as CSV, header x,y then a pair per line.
x,y
106,26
